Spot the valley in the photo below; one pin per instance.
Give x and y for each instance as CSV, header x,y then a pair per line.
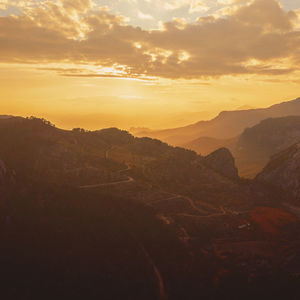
x,y
252,135
168,203
150,150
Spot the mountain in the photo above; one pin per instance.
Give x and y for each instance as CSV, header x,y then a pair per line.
x,y
257,144
228,124
254,147
245,107
270,136
105,215
5,117
206,145
283,170
37,150
223,161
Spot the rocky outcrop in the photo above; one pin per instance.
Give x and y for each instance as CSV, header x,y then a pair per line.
x,y
223,162
283,170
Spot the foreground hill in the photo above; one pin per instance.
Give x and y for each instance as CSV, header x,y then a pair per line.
x,y
228,124
37,150
105,215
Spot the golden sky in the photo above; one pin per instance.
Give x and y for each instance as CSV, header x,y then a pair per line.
x,y
150,63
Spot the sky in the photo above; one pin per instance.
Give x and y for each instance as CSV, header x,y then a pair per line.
x,y
146,63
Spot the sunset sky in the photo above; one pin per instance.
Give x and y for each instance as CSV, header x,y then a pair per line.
x,y
150,63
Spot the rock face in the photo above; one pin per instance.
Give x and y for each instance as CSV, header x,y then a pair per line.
x,y
270,136
222,161
257,144
284,170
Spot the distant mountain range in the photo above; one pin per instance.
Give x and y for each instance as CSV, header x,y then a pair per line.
x,y
2,117
254,147
205,145
251,135
227,125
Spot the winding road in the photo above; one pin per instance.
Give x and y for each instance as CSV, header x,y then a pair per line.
x,y
93,186
185,236
99,185
160,282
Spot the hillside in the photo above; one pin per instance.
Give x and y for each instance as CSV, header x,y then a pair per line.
x,y
134,218
206,145
37,150
283,171
254,147
270,136
228,124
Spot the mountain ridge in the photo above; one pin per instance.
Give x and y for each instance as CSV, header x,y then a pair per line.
x,y
283,171
228,124
183,216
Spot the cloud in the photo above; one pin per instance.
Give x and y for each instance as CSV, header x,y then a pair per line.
x,y
143,16
78,32
267,14
3,4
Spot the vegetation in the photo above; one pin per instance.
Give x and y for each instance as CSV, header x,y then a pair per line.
x,y
157,218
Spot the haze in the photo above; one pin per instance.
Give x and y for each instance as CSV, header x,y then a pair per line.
x,y
146,63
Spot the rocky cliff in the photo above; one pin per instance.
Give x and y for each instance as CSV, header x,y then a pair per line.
x,y
283,170
222,161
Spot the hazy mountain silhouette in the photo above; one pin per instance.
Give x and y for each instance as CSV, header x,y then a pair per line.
x,y
206,145
228,124
254,147
2,117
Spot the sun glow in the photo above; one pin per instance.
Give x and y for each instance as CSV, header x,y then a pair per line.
x,y
80,57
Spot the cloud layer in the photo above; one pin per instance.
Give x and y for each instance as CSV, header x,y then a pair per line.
x,y
259,38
